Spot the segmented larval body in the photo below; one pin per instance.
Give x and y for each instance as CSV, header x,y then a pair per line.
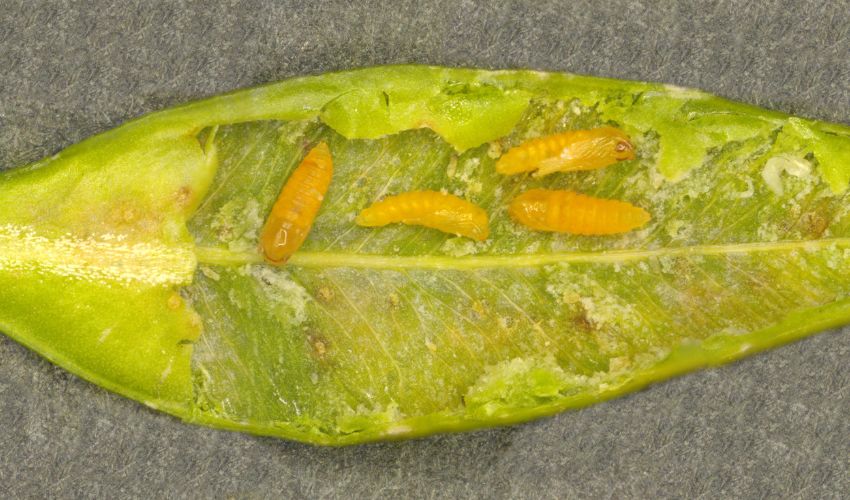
x,y
296,207
575,213
568,151
433,209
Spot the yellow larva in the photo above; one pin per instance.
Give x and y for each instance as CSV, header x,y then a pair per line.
x,y
567,152
571,212
296,207
433,209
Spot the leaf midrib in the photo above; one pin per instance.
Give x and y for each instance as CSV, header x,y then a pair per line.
x,y
319,259
128,263
104,259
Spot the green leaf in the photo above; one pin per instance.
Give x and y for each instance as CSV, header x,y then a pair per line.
x,y
131,258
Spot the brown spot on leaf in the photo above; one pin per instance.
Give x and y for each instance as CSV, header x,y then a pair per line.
x,y
319,346
195,321
431,346
174,302
225,232
325,294
183,196
122,214
128,214
581,321
480,309
814,224
494,149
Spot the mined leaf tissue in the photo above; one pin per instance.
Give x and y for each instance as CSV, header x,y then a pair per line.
x,y
659,230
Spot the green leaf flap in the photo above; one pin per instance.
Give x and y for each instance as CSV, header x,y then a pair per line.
x,y
131,258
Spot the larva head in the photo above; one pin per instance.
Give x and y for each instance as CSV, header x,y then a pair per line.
x,y
274,245
614,144
320,153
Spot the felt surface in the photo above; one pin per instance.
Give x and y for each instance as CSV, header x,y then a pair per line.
x,y
777,424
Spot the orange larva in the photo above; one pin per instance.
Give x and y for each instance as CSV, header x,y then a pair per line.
x,y
571,212
567,152
296,207
433,209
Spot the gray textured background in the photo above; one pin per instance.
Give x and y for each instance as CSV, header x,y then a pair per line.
x,y
774,424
